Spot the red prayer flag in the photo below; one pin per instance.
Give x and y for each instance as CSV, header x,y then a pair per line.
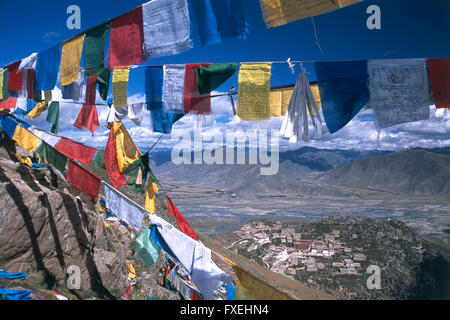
x,y
110,160
91,89
30,83
9,103
181,221
439,76
127,40
87,118
193,101
15,78
75,150
83,180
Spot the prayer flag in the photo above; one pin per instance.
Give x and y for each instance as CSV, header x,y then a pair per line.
x,y
254,91
94,48
110,160
166,27
439,76
211,77
147,250
38,109
173,87
91,89
120,87
103,82
83,180
55,158
343,91
4,76
87,118
9,103
279,101
8,125
53,116
70,60
75,150
127,40
15,77
76,90
28,63
150,203
183,225
126,150
25,138
47,68
193,101
217,20
399,91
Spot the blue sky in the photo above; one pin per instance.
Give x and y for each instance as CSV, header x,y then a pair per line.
x,y
410,29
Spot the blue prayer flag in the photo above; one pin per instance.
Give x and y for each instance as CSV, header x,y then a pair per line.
x,y
47,67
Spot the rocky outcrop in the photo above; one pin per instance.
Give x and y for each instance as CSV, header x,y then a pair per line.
x,y
46,225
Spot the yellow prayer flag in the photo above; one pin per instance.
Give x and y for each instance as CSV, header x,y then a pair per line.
x,y
316,94
38,109
131,271
2,79
252,288
126,149
150,203
254,91
25,138
24,160
70,60
279,101
279,12
120,87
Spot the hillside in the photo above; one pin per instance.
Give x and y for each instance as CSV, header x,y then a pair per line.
x,y
418,172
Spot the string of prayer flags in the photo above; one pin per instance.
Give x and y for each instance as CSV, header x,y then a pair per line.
x,y
439,77
217,20
51,139
211,77
70,60
8,125
123,207
193,101
166,27
83,180
25,138
126,149
183,225
150,203
94,48
39,109
399,91
4,76
173,87
147,250
127,40
75,150
120,87
87,118
24,106
53,116
296,119
103,77
254,91
277,13
343,91
15,77
47,68
110,160
55,158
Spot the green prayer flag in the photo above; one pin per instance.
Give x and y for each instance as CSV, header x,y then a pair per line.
x,y
147,250
103,82
4,93
55,158
37,94
99,160
53,116
94,48
211,77
133,169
